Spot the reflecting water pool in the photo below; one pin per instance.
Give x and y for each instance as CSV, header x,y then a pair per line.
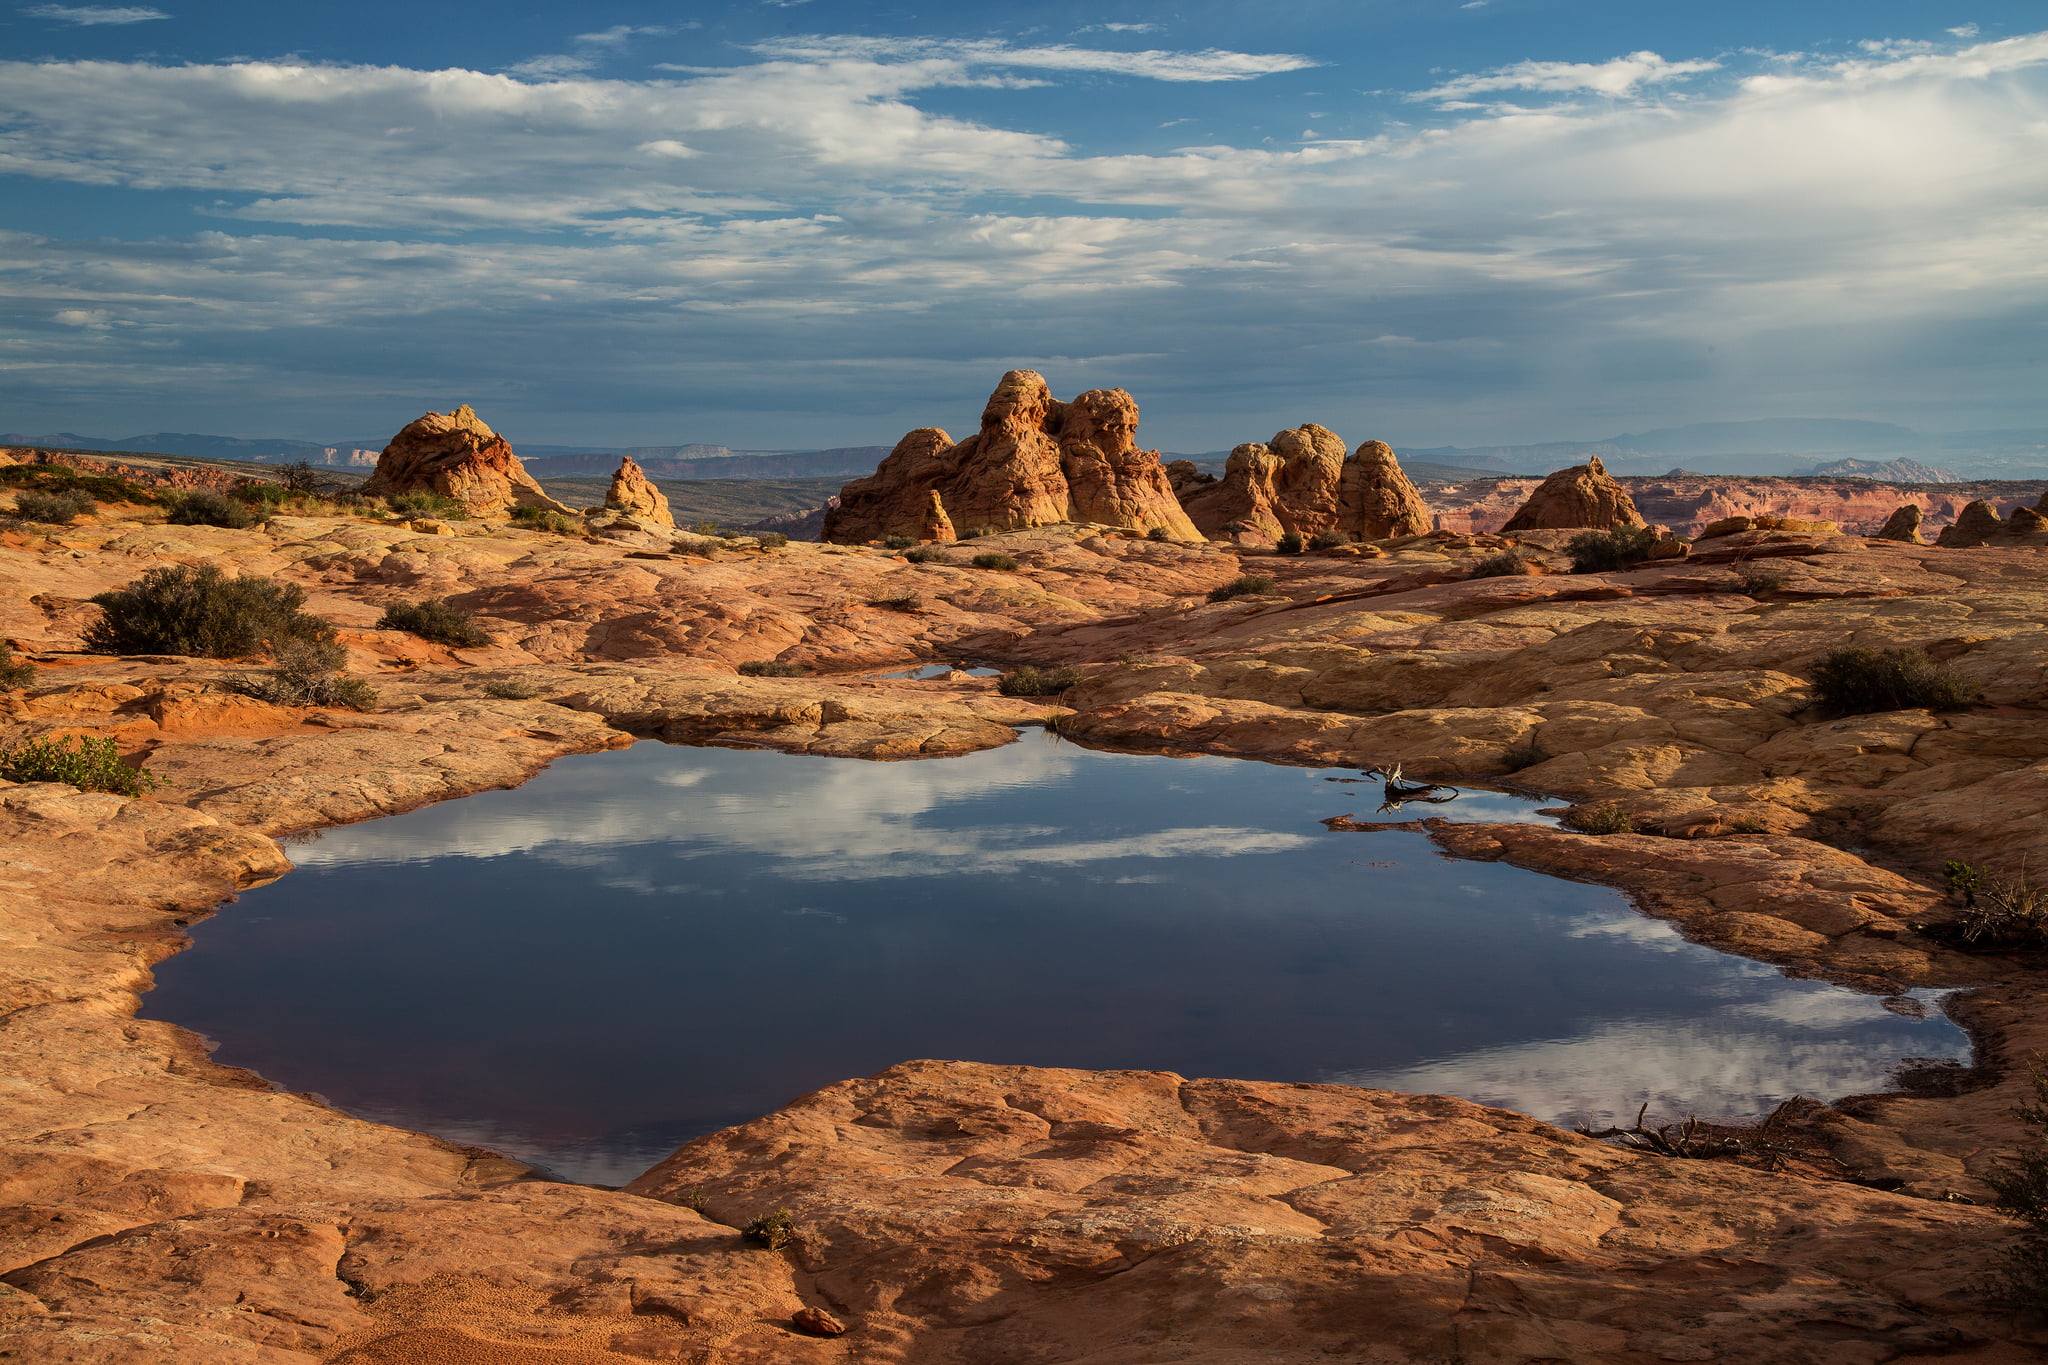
x,y
640,946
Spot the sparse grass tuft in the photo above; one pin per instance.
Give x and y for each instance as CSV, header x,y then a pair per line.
x,y
1506,564
204,507
926,554
898,542
1855,681
426,503
547,519
901,601
87,762
995,561
770,1230
1747,824
1755,581
1621,547
1328,540
770,668
202,612
2002,908
53,509
307,673
14,672
1525,754
1608,818
1158,533
430,618
772,540
511,689
1244,585
1034,682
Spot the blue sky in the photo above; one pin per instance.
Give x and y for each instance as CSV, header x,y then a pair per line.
x,y
785,225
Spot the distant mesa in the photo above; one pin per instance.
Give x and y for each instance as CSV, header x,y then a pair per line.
x,y
1584,495
1035,462
1301,482
455,454
1884,471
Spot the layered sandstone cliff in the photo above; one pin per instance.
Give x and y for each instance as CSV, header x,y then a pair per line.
x,y
1035,462
1301,482
457,455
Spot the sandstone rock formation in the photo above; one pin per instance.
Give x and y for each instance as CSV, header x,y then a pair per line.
x,y
1980,524
1902,525
1035,462
1729,526
1185,478
1584,495
1300,481
456,455
937,527
633,493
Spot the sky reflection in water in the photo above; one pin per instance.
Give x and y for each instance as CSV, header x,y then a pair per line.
x,y
640,946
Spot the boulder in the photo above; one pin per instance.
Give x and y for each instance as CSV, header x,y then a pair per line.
x,y
1903,525
633,493
1980,524
455,454
1377,500
937,525
1584,495
1035,462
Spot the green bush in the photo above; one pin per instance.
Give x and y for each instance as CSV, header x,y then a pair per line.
x,y
1506,564
707,528
1603,819
547,519
1244,585
201,612
926,554
1622,547
14,672
1032,682
512,689
770,668
425,503
772,540
770,1230
1854,681
1158,533
430,618
1290,543
87,763
1328,540
204,507
306,672
992,560
52,509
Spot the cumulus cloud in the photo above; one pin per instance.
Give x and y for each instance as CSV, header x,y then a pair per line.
x,y
1619,77
1804,233
92,15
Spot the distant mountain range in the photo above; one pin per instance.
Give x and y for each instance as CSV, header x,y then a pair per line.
x,y
1829,446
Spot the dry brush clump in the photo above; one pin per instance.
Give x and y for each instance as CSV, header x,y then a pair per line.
x,y
1036,682
201,612
1607,818
1854,681
307,672
204,507
432,619
1244,585
1609,551
770,668
1506,564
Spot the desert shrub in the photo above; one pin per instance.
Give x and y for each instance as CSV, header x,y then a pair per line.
x,y
1854,681
87,762
202,612
430,618
14,672
770,1230
2002,908
262,494
1328,540
546,519
204,507
771,540
995,561
1754,581
707,528
1603,819
1526,754
1034,682
53,509
426,503
898,542
2020,1183
1157,533
1506,564
1621,547
303,478
1244,585
900,601
34,475
770,668
512,689
1290,543
1747,824
926,554
62,478
307,672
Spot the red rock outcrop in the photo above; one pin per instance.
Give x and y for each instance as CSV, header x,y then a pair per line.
x,y
456,455
633,493
1688,502
1980,524
1584,495
1300,481
1035,462
938,527
1902,525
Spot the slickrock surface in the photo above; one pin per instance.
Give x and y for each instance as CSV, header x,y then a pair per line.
x,y
455,454
158,1208
633,493
1583,496
1035,462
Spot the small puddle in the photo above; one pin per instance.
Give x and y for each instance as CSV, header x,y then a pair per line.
x,y
640,946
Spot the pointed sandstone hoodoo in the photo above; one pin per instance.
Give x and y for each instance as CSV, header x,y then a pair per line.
x,y
1035,462
455,454
1903,524
1301,481
938,527
1583,496
633,493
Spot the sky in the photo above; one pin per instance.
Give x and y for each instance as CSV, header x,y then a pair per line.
x,y
793,224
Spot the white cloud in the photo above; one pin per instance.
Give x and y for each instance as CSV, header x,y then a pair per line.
x,y
95,14
1212,64
1120,28
1965,31
1619,77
